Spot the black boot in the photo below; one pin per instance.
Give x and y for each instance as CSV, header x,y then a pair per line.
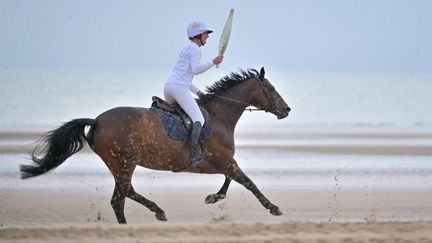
x,y
195,157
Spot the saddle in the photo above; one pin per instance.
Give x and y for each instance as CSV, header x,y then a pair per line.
x,y
177,123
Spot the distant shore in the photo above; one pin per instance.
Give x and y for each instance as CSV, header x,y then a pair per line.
x,y
25,142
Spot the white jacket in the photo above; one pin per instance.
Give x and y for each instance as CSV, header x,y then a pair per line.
x,y
188,64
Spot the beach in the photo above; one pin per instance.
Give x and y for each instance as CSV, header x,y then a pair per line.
x,y
230,232
333,186
352,163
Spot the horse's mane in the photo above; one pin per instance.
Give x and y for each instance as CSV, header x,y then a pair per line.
x,y
228,82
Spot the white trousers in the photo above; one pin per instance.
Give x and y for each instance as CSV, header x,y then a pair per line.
x,y
181,94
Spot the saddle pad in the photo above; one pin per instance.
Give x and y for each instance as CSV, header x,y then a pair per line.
x,y
176,129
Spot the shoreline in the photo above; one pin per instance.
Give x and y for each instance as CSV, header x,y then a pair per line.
x,y
352,143
391,150
289,133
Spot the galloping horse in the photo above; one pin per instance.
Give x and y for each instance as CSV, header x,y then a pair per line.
x,y
125,137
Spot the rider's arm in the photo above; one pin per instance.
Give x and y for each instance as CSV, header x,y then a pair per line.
x,y
194,89
196,66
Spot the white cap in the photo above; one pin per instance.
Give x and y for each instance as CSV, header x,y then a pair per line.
x,y
197,27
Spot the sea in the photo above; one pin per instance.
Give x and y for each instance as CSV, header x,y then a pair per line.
x,y
328,109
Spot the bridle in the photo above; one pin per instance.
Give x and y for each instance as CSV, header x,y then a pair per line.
x,y
240,102
258,108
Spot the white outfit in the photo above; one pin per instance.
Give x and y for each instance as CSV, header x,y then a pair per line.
x,y
178,86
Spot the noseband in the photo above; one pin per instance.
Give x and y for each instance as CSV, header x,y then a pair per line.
x,y
259,108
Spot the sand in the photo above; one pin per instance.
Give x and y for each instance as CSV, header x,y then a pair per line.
x,y
75,207
230,232
61,208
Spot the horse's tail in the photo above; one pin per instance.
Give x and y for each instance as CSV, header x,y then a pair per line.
x,y
56,146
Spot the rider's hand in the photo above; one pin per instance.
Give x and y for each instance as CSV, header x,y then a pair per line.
x,y
201,94
217,60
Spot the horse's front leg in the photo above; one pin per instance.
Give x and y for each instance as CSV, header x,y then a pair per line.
x,y
221,194
234,172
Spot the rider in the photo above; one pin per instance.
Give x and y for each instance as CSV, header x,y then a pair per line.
x,y
178,86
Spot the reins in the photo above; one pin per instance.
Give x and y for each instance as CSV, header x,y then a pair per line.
x,y
239,102
242,102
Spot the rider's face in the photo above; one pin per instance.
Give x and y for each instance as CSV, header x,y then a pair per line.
x,y
204,37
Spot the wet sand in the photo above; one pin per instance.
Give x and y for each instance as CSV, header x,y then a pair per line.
x,y
231,232
73,212
75,206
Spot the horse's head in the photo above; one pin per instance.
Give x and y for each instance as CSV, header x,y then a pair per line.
x,y
248,88
267,98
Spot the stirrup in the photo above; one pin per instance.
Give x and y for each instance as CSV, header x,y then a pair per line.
x,y
206,153
196,159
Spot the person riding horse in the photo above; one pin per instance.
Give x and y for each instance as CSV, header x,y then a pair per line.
x,y
178,86
128,137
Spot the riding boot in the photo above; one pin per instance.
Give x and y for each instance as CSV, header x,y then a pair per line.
x,y
195,157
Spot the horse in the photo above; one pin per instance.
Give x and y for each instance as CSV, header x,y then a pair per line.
x,y
125,137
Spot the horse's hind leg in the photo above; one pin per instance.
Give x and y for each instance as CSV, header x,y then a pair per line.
x,y
122,171
221,194
118,199
160,214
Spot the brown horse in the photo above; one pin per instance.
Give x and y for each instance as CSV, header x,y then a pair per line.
x,y
125,137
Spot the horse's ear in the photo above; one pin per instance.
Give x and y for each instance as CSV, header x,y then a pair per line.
x,y
262,73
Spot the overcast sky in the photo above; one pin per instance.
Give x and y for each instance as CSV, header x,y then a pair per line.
x,y
304,35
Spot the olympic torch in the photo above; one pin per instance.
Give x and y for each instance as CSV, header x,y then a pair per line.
x,y
225,36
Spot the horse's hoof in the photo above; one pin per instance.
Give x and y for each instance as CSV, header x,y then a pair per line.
x,y
275,211
161,216
212,198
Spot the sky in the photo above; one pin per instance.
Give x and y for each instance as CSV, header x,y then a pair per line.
x,y
286,35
